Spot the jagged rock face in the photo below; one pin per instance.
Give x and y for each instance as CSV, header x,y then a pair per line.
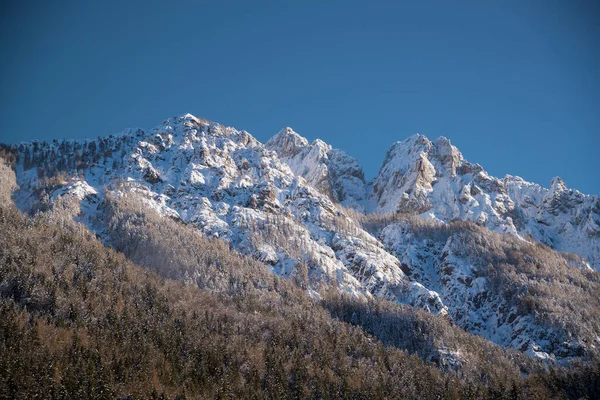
x,y
561,218
230,186
277,202
434,180
331,171
472,300
409,173
306,160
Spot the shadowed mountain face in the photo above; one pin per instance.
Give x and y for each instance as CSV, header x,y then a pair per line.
x,y
305,210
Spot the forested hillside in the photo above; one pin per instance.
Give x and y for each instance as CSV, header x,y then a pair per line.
x,y
79,320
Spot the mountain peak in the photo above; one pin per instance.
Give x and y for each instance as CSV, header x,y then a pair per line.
x,y
443,142
277,203
321,144
188,116
287,142
448,154
289,134
403,154
557,184
331,171
288,131
417,139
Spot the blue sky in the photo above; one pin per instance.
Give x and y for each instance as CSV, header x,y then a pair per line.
x,y
514,84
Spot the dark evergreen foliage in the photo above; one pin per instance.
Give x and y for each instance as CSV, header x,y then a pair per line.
x,y
79,320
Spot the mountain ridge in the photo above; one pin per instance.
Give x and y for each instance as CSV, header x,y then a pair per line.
x,y
299,207
405,184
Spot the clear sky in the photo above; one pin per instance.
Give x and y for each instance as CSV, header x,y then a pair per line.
x,y
514,84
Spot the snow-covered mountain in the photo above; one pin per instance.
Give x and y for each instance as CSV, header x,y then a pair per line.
x,y
230,186
305,209
331,171
434,180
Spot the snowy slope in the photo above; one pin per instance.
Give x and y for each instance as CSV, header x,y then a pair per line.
x,y
445,261
282,203
230,186
331,171
434,180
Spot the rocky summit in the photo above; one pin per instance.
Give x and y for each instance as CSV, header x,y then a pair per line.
x,y
431,230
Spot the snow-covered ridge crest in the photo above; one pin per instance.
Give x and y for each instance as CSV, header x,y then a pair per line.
x,y
331,171
417,176
433,179
228,185
288,203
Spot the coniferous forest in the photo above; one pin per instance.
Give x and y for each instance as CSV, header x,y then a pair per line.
x,y
394,200
161,311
